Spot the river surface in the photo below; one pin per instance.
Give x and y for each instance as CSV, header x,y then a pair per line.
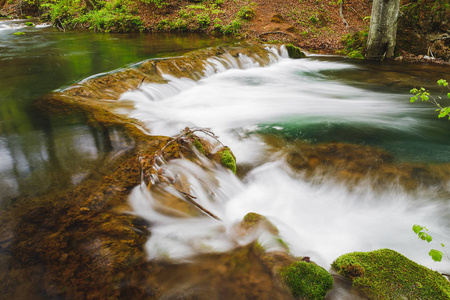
x,y
262,114
40,153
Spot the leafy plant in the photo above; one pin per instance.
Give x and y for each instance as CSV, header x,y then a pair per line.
x,y
246,13
421,232
424,95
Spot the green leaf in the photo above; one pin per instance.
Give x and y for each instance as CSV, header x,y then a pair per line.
x,y
414,91
448,95
413,99
428,238
445,111
436,255
442,82
417,228
443,246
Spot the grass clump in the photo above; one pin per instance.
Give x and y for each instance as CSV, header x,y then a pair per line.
x,y
294,52
307,280
386,274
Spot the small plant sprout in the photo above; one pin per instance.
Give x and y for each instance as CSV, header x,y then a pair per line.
x,y
424,95
421,232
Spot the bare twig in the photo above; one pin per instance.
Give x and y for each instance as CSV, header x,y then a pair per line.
x,y
191,198
274,32
140,84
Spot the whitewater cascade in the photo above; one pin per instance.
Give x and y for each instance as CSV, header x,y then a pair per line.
x,y
243,103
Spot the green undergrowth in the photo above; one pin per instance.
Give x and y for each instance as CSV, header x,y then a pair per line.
x,y
207,16
386,274
354,44
116,15
307,280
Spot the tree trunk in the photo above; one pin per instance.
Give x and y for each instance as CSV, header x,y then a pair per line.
x,y
383,29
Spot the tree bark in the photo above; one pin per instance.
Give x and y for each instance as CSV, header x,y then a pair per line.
x,y
383,29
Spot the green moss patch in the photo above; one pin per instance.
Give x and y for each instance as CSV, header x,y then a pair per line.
x,y
294,52
227,159
307,280
386,274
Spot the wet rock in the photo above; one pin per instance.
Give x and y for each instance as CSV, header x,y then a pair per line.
x,y
254,221
294,52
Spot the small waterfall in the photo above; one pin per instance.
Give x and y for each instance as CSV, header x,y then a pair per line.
x,y
241,102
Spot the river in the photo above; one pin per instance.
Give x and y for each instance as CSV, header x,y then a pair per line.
x,y
268,117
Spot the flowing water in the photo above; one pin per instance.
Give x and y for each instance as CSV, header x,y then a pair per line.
x,y
313,100
265,115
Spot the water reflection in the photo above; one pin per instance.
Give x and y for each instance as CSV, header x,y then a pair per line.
x,y
38,153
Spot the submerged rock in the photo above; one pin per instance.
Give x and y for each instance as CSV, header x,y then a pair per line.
x,y
386,274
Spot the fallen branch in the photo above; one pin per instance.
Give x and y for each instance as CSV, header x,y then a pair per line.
x,y
191,198
274,32
142,81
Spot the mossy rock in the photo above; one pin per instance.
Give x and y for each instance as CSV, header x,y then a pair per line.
x,y
386,274
227,159
29,24
253,220
307,280
198,145
19,33
294,52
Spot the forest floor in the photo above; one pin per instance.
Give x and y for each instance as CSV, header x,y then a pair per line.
x,y
310,24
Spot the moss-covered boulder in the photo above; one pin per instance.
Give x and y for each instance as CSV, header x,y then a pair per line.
x,y
252,221
307,280
386,274
227,159
294,52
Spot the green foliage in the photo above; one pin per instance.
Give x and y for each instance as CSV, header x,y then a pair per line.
x,y
114,15
424,95
354,44
203,20
227,160
246,13
314,19
307,280
421,232
157,3
386,274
